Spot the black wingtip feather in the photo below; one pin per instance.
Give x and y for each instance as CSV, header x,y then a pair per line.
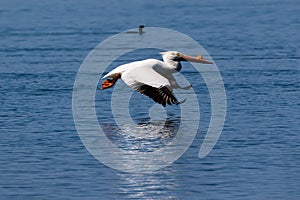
x,y
161,95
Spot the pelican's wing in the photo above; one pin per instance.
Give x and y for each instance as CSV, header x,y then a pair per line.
x,y
161,95
150,83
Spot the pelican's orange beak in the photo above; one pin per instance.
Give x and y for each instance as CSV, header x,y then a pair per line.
x,y
198,59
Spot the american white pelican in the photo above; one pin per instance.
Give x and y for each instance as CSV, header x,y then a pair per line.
x,y
141,27
152,77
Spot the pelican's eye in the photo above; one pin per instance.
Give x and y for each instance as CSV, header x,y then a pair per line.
x,y
178,54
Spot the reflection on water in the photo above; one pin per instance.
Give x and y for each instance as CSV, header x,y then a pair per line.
x,y
141,186
145,136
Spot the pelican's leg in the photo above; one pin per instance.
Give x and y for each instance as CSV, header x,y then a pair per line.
x,y
186,87
181,102
177,86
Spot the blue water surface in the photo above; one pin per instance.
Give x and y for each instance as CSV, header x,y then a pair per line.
x,y
256,46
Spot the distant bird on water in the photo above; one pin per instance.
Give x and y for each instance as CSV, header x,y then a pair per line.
x,y
152,77
141,27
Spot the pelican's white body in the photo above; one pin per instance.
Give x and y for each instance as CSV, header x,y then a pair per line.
x,y
151,77
140,71
151,72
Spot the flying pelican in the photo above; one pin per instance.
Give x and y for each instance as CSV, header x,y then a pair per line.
x,y
141,27
152,77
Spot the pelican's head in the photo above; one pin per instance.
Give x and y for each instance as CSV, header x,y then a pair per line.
x,y
176,56
171,56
